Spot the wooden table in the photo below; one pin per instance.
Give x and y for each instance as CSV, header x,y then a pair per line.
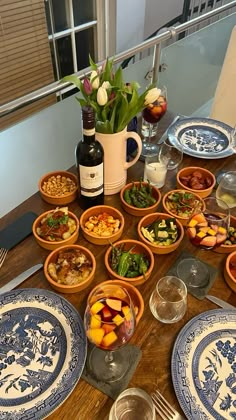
x,y
155,339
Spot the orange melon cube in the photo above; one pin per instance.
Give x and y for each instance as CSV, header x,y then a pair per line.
x,y
108,327
96,335
109,339
118,319
201,234
97,307
222,230
127,312
192,223
95,321
114,304
211,232
204,229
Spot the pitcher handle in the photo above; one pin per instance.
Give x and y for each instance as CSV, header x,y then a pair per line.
x,y
137,138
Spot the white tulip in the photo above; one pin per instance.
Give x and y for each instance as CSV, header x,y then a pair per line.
x,y
106,85
102,97
94,79
152,96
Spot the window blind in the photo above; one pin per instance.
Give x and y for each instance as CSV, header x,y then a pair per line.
x,y
25,57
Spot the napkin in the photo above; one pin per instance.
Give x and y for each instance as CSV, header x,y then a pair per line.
x,y
15,232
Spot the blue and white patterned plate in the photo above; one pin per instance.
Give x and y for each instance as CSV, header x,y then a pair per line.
x,y
43,349
203,366
201,137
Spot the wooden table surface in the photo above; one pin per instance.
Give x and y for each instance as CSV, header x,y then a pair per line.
x,y
155,339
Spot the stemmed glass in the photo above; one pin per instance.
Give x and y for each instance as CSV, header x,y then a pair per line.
x,y
206,229
109,322
171,154
150,117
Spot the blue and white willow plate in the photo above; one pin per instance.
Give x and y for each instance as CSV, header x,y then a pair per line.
x,y
203,366
201,137
42,353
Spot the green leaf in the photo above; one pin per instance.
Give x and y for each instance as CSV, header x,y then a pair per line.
x,y
104,127
74,80
92,64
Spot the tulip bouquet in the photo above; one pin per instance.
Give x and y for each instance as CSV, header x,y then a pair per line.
x,y
114,101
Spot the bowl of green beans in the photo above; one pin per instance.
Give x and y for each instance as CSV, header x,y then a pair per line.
x,y
129,260
140,198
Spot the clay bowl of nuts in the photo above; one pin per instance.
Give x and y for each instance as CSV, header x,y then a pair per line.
x,y
230,243
102,225
70,268
140,198
196,179
134,294
230,271
58,187
56,228
160,232
129,260
181,203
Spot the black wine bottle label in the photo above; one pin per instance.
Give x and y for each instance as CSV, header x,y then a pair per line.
x,y
91,180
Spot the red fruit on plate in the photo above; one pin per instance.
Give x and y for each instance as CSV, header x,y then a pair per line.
x,y
208,241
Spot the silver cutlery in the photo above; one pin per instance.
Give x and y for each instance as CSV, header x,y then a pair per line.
x,y
19,279
220,302
3,254
163,407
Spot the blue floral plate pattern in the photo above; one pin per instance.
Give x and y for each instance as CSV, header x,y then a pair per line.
x,y
43,349
203,366
201,137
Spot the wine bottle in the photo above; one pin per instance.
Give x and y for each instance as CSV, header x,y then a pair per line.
x,y
89,162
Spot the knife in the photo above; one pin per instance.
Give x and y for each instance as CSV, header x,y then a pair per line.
x,y
220,302
19,279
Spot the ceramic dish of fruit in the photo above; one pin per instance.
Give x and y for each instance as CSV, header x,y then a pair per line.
x,y
129,260
134,294
197,180
140,198
160,232
230,271
102,225
180,204
55,228
229,244
58,187
70,268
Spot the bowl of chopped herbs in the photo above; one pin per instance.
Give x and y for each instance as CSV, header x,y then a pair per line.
x,y
140,198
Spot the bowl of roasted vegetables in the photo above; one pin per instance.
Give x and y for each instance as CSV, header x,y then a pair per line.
x,y
197,180
102,224
140,198
160,232
129,260
55,228
180,204
230,271
70,268
229,245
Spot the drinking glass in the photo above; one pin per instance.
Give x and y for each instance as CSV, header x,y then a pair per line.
x,y
132,403
173,155
155,170
109,322
150,117
168,301
226,189
232,141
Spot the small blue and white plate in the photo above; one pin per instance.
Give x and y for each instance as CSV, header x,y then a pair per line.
x,y
203,366
43,349
201,137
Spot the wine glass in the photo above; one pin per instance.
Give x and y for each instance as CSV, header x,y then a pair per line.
x,y
207,228
109,322
171,154
150,117
226,189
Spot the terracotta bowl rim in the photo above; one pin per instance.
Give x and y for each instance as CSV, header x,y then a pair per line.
x,y
57,197
200,169
66,286
177,190
229,257
137,208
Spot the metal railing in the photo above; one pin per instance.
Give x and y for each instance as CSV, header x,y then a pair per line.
x,y
155,42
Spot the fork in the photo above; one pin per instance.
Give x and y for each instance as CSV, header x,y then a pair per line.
x,y
3,254
163,407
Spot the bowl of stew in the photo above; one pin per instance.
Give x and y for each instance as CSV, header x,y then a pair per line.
x,y
181,203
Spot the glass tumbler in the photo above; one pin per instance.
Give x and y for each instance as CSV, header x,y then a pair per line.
x,y
155,170
168,301
133,404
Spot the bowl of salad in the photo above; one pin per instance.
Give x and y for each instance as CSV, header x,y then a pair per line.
x,y
160,232
181,204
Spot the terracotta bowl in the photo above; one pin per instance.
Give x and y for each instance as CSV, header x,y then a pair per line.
x,y
58,187
139,248
63,288
51,245
229,276
183,220
160,249
206,175
94,212
136,211
134,293
227,249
